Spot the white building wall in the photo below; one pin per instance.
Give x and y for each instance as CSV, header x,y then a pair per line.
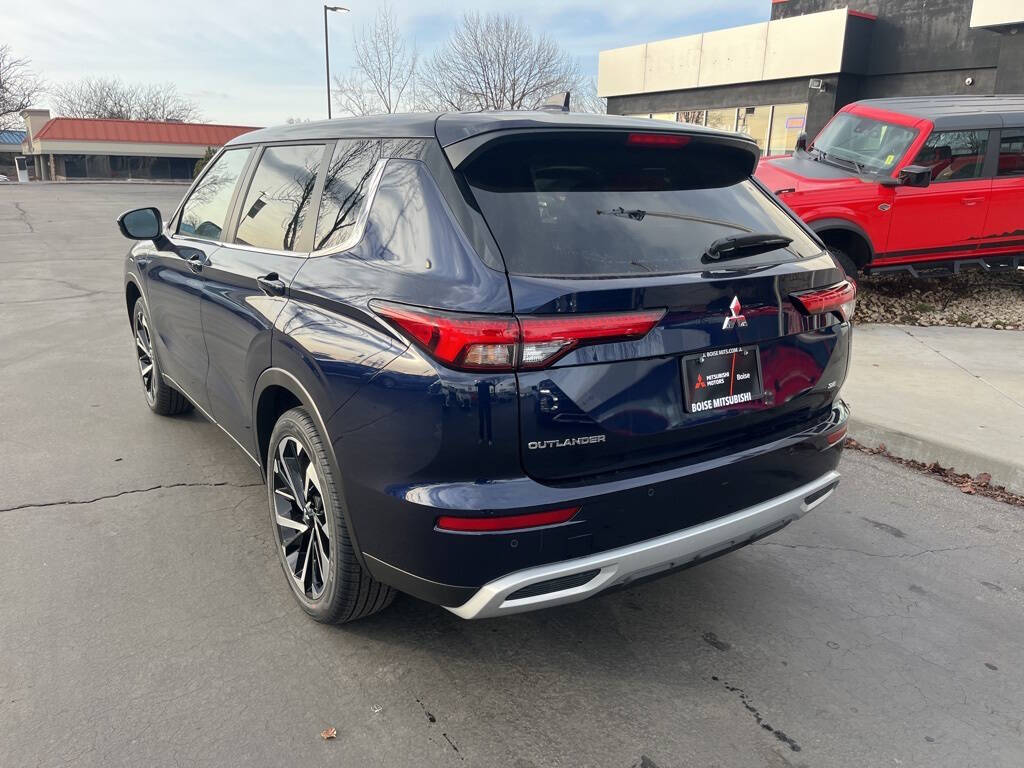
x,y
773,50
992,13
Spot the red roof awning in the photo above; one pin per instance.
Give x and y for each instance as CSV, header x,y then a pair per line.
x,y
139,131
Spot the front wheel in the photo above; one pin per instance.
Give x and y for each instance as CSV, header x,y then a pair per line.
x,y
312,537
161,396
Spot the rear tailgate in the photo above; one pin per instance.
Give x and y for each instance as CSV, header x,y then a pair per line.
x,y
594,224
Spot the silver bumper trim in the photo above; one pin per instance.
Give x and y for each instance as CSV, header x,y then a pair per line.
x,y
622,565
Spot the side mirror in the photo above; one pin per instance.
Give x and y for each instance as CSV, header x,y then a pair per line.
x,y
141,224
801,142
915,176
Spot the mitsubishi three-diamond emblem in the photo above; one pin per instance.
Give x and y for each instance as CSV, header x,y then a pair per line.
x,y
734,319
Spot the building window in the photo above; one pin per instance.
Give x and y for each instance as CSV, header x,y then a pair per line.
x,y
693,116
722,119
788,122
755,122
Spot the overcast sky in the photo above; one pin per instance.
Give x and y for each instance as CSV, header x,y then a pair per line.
x,y
261,62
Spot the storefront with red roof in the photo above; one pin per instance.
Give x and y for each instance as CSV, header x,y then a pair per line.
x,y
63,148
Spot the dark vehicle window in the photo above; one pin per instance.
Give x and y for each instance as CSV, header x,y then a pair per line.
x,y
345,188
1011,152
278,200
954,155
206,209
572,204
862,143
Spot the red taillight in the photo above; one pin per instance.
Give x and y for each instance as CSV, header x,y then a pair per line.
x,y
459,340
547,337
506,522
840,298
656,140
507,342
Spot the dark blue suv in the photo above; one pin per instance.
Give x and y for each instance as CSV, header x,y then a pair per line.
x,y
498,361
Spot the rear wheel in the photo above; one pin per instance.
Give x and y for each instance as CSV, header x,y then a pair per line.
x,y
161,396
312,538
849,267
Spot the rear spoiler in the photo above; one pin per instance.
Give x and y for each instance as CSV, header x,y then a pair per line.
x,y
459,152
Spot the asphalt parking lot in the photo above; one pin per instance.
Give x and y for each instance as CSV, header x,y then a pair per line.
x,y
144,619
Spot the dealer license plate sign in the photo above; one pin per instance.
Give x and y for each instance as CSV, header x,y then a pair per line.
x,y
722,378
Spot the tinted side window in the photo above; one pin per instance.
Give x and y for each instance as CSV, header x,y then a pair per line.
x,y
954,155
345,188
206,209
278,199
1011,152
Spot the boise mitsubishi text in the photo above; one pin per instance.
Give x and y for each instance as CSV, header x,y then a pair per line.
x,y
498,361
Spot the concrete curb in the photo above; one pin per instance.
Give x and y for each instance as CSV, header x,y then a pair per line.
x,y
1007,471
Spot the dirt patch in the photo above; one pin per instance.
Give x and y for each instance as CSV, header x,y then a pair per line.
x,y
967,300
980,485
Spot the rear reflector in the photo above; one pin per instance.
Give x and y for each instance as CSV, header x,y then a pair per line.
x,y
509,342
836,436
656,140
506,522
841,299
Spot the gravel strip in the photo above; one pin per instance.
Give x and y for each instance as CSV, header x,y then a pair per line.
x,y
980,484
967,300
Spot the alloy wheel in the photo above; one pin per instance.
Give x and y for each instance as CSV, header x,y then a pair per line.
x,y
301,517
144,351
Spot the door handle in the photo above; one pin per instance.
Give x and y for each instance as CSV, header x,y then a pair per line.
x,y
271,284
972,200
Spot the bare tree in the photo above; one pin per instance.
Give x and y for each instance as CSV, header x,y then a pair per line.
x,y
19,87
112,98
497,62
585,98
384,70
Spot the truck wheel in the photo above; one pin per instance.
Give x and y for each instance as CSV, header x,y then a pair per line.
x,y
312,537
845,262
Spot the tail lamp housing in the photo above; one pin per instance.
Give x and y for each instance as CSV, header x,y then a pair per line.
x,y
840,299
511,342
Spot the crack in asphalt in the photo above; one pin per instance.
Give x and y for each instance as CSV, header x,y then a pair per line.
x,y
23,215
896,555
130,491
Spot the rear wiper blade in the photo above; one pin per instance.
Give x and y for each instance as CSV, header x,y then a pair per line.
x,y
637,214
737,246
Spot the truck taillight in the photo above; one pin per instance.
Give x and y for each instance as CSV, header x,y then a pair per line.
x,y
511,342
841,299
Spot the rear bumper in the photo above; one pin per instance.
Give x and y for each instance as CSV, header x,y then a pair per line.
x,y
403,547
572,580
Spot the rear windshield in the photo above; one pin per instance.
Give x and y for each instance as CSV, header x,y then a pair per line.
x,y
586,204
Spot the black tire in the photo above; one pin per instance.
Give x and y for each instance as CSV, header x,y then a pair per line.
x,y
845,262
297,463
161,397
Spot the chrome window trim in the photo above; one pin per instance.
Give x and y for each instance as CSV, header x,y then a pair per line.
x,y
364,214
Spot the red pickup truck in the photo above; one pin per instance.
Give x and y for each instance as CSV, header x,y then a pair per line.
x,y
912,182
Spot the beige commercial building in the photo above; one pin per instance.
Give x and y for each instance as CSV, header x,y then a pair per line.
x,y
790,74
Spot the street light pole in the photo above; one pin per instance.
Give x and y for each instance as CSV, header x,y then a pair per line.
x,y
327,52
